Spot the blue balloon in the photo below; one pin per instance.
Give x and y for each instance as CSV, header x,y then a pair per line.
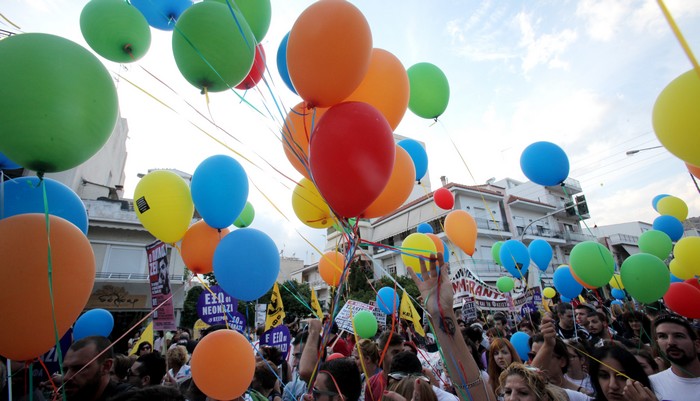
x,y
418,155
387,300
545,163
446,254
541,253
246,263
617,293
425,228
520,343
675,279
25,195
670,225
161,14
282,63
515,258
95,322
566,300
7,164
565,283
616,302
656,200
219,190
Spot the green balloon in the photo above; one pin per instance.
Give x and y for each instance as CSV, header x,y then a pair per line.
x,y
245,219
496,252
430,91
657,243
258,14
505,284
58,105
115,30
210,50
645,277
365,324
592,263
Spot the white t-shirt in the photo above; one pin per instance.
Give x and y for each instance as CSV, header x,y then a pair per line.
x,y
670,387
443,395
576,396
585,383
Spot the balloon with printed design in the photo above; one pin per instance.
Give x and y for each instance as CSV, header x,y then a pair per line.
x,y
163,205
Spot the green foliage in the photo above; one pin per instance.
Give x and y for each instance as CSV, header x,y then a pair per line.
x,y
189,311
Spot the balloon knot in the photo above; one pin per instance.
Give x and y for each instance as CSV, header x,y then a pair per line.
x,y
40,174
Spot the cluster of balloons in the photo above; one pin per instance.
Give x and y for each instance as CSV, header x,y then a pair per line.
x,y
673,211
515,257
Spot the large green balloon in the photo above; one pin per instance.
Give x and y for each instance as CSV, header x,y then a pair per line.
x,y
505,284
657,243
430,91
116,30
592,263
258,14
58,104
645,277
496,252
365,324
245,219
210,50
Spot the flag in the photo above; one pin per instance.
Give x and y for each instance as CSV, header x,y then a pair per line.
x,y
146,337
275,309
315,305
409,312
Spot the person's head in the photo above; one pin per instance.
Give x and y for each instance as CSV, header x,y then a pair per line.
x,y
501,354
144,348
523,383
676,339
148,370
577,351
646,360
558,363
582,312
298,344
410,346
176,357
526,327
565,314
636,323
405,362
475,333
610,367
264,378
597,324
500,322
494,333
120,367
461,323
410,383
369,352
85,378
338,380
393,342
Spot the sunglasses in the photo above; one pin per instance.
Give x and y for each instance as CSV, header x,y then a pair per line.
x,y
402,375
318,393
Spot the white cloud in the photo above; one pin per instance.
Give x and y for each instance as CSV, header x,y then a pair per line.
x,y
544,49
604,17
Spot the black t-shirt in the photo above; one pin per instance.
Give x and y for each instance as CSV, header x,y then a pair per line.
x,y
576,331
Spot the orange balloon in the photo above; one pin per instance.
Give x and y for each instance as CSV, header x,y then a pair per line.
x,y
694,170
296,134
331,267
198,246
25,301
223,364
460,228
328,52
439,245
397,189
385,86
573,274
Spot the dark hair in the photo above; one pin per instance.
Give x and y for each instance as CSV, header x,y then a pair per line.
x,y
143,345
525,323
535,338
629,364
475,333
601,316
405,362
640,317
391,338
675,319
344,373
560,351
121,366
564,308
101,344
641,352
264,377
501,319
152,365
301,338
151,393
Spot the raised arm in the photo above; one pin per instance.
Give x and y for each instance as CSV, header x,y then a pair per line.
x,y
309,356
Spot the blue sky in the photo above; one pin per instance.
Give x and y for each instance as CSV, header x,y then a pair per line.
x,y
582,74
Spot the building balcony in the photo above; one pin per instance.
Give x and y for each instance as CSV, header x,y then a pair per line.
x,y
488,224
570,187
578,237
132,276
623,239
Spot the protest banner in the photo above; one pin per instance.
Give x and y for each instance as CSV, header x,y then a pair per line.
x,y
217,307
487,298
277,337
164,317
344,320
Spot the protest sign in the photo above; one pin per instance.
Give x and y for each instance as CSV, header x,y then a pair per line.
x,y
214,308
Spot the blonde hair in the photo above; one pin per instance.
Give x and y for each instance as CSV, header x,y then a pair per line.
x,y
535,380
177,356
406,386
369,350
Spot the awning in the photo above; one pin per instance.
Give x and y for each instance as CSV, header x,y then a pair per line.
x,y
631,249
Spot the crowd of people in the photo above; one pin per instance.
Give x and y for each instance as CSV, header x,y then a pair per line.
x,y
587,351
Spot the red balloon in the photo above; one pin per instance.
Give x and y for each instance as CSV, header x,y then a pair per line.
x,y
444,199
256,71
694,282
351,156
684,299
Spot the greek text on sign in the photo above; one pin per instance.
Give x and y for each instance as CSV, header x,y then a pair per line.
x,y
211,308
345,323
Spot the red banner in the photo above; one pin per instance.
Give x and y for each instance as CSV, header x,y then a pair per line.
x,y
164,317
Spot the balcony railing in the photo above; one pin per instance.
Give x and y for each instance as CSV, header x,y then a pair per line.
x,y
578,237
132,276
488,224
540,232
623,239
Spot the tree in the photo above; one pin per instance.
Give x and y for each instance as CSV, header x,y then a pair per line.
x,y
189,310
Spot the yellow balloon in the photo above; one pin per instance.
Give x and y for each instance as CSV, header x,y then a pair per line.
x,y
414,246
549,292
616,282
676,119
164,205
309,206
681,269
672,206
687,252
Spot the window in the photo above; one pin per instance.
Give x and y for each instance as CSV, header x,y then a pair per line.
x,y
391,269
125,259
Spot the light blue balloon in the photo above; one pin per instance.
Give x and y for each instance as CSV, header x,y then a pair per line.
x,y
520,343
616,302
675,279
387,300
162,14
418,155
425,228
567,300
24,195
219,190
7,164
669,225
617,293
565,283
246,263
95,322
656,200
515,258
282,63
446,254
545,163
541,253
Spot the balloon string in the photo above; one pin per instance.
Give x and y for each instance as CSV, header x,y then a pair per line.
x,y
9,22
679,36
50,274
